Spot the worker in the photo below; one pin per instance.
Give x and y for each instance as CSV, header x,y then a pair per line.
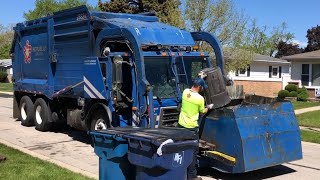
x,y
192,105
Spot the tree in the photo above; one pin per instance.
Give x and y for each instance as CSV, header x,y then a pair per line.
x,y
257,39
313,36
287,49
221,18
6,36
48,7
166,10
279,34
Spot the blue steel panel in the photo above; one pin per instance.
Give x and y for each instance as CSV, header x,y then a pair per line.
x,y
224,133
94,86
258,136
38,56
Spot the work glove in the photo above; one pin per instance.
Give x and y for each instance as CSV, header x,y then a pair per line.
x,y
202,75
210,106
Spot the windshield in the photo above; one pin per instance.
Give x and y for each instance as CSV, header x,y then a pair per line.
x,y
160,76
193,65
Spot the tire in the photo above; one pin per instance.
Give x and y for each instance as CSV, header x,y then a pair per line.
x,y
26,111
99,121
42,115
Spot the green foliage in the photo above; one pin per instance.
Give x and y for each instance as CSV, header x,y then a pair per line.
x,y
166,10
293,94
3,76
303,96
48,7
301,90
313,35
287,49
291,87
222,19
283,94
257,39
6,36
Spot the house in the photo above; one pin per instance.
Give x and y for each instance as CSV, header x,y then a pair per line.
x,y
6,66
265,76
305,71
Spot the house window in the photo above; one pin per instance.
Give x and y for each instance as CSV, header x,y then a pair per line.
x,y
305,75
274,71
243,72
315,74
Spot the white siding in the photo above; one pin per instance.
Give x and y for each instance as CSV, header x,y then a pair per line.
x,y
296,70
259,71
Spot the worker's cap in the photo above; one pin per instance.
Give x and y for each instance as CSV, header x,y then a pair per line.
x,y
200,82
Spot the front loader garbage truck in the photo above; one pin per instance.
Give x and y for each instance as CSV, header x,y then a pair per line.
x,y
96,70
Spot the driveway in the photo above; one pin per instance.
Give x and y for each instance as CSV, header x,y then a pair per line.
x,y
71,149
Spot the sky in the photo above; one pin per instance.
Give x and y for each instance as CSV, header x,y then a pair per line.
x,y
300,15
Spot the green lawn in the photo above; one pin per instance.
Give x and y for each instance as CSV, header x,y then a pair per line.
x,y
7,87
309,119
301,105
23,166
310,136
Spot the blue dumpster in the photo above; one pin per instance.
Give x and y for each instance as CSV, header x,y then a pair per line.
x,y
113,161
160,153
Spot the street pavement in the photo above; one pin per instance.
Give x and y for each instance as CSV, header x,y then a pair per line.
x,y
71,149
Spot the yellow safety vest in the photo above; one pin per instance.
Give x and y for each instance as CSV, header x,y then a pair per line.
x,y
192,104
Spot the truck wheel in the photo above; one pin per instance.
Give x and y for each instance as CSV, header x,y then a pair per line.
x,y
100,121
42,115
26,111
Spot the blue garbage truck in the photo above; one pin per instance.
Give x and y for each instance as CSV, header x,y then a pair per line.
x,y
96,70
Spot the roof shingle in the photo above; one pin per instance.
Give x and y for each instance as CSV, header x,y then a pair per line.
x,y
309,55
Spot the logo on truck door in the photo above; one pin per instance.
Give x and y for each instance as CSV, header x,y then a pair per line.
x,y
27,52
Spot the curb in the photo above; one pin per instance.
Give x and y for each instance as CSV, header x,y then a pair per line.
x,y
48,159
7,93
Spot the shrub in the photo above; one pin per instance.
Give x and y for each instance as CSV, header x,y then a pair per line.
x,y
283,93
3,76
300,90
303,96
291,87
293,94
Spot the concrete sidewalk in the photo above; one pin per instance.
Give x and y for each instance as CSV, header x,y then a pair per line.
x,y
310,128
304,110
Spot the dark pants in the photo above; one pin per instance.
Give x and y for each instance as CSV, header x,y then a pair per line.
x,y
192,170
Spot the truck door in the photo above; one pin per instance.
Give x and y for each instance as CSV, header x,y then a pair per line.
x,y
122,88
